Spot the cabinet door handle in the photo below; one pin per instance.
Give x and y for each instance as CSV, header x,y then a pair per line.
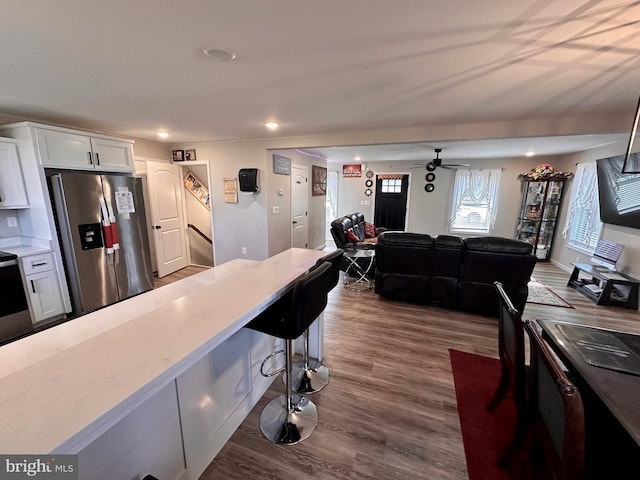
x,y
33,287
38,264
90,159
97,158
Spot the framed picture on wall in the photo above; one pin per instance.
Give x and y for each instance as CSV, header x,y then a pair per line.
x,y
318,181
177,155
189,154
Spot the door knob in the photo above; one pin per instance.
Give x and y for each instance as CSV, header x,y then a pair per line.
x,y
156,227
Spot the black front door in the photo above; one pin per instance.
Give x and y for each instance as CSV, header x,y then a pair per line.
x,y
391,201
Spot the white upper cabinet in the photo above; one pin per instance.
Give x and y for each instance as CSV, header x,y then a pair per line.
x,y
13,193
65,149
112,155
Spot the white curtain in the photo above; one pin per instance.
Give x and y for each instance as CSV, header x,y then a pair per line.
x,y
478,187
584,206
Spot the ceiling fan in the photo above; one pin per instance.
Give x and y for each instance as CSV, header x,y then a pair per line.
x,y
437,162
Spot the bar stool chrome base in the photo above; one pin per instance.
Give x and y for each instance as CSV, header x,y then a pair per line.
x,y
309,377
288,426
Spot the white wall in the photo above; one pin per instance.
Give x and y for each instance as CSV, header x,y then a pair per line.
x,y
630,237
429,211
279,224
250,224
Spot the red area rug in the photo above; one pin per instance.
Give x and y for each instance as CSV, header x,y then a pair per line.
x,y
484,434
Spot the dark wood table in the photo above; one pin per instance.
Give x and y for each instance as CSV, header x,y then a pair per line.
x,y
605,287
619,391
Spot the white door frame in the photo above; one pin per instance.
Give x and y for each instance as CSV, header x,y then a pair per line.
x,y
306,224
184,167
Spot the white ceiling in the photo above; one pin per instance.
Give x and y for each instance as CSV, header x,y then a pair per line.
x,y
135,67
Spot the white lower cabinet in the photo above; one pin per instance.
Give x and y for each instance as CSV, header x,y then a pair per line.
x,y
44,294
177,432
148,441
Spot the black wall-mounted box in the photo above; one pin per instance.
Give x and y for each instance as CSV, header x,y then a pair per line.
x,y
248,180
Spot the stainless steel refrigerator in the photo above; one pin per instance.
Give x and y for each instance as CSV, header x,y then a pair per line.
x,y
101,272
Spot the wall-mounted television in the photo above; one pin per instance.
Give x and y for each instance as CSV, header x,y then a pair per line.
x,y
619,193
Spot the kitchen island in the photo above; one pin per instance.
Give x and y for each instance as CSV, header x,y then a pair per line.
x,y
154,384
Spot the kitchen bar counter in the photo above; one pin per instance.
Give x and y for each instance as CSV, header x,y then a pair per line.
x,y
63,388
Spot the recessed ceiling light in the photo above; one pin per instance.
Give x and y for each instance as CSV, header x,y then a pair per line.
x,y
357,158
220,53
530,154
162,134
271,125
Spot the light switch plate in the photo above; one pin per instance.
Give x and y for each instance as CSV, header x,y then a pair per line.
x,y
12,221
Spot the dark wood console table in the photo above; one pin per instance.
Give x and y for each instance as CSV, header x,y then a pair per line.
x,y
604,286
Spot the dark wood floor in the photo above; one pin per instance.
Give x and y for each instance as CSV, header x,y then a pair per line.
x,y
390,411
179,275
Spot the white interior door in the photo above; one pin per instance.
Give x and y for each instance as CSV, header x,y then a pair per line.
x,y
299,205
165,190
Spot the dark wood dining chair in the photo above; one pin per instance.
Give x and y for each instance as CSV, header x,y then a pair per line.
x,y
513,376
556,410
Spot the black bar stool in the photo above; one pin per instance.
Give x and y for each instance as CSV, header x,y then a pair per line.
x,y
290,418
310,376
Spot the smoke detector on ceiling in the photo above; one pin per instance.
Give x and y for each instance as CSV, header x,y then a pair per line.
x,y
219,53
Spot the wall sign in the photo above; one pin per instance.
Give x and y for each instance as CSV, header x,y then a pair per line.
x,y
352,170
231,190
281,165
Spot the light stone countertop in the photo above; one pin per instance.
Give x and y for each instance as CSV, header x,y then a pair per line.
x,y
22,247
63,387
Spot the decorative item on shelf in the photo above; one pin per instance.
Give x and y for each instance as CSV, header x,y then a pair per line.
x,y
318,181
369,183
177,155
190,154
534,214
544,171
368,192
369,174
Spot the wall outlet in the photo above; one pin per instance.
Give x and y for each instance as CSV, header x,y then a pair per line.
x,y
12,221
275,210
244,250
